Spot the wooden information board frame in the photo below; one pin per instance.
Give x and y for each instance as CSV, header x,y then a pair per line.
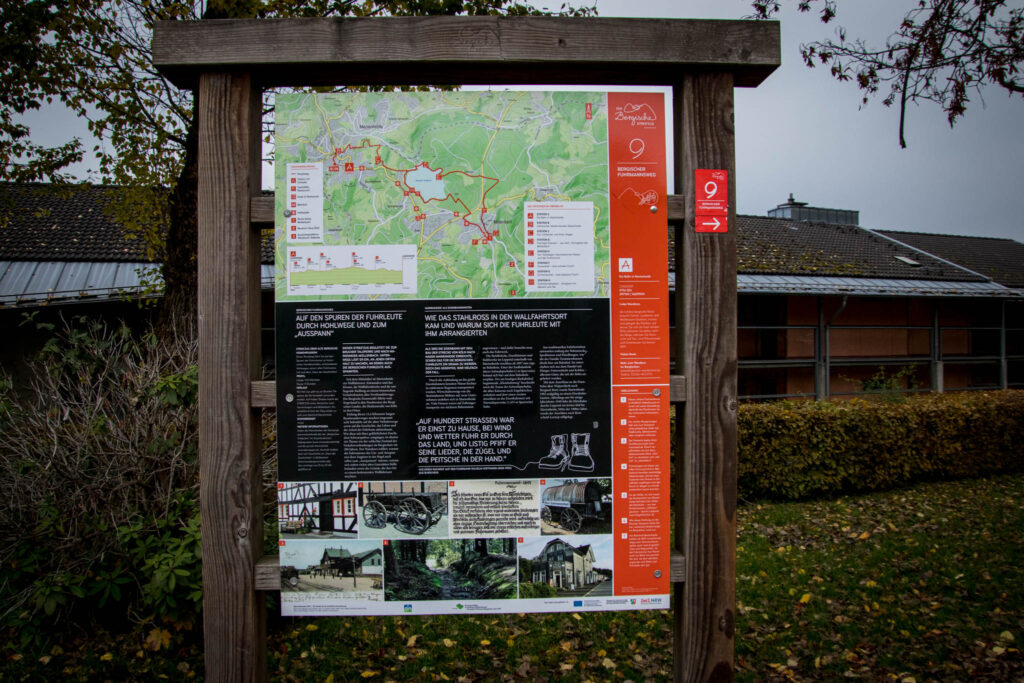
x,y
229,63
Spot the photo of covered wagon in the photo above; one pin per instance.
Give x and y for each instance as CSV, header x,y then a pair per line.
x,y
412,509
571,503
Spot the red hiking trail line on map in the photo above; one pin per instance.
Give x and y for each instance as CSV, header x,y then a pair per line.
x,y
441,174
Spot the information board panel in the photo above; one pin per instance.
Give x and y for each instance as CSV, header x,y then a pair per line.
x,y
472,352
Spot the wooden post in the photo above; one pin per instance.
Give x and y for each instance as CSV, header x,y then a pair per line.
x,y
234,614
705,493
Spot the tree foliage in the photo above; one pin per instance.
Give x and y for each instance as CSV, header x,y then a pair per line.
x,y
95,57
943,52
33,67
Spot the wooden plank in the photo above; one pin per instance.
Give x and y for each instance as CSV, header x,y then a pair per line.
x,y
261,210
676,208
705,529
678,567
263,393
267,575
465,50
677,388
234,614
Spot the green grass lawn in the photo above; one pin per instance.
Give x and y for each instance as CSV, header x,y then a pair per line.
x,y
925,583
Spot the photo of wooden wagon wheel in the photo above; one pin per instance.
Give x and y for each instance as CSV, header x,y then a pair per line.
x,y
571,520
413,516
375,515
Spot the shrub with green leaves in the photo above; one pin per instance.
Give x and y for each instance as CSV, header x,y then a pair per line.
x,y
790,450
98,481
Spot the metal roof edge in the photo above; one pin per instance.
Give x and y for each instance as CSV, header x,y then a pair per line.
x,y
810,284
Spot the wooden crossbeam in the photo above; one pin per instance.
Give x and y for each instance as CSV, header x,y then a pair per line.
x,y
465,50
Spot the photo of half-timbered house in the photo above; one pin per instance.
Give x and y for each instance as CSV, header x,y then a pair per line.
x,y
317,508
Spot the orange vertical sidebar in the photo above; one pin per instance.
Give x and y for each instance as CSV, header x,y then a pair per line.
x,y
640,346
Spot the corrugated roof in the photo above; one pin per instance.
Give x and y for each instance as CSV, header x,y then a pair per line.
x,y
855,286
997,258
36,283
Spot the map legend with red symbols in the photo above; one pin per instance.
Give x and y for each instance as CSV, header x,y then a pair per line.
x,y
559,246
304,216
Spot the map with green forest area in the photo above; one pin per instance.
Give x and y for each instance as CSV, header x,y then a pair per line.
x,y
439,195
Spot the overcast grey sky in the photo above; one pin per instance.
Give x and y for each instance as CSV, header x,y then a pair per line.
x,y
802,132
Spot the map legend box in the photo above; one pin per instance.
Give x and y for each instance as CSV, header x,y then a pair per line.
x,y
305,216
561,247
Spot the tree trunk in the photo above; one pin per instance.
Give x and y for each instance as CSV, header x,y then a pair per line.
x,y
390,563
178,310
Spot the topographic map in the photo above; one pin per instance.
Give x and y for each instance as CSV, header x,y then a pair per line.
x,y
436,195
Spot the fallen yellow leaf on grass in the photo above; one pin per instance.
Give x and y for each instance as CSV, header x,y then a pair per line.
x,y
607,663
368,674
412,640
805,598
448,642
106,657
157,639
485,642
576,616
864,536
312,627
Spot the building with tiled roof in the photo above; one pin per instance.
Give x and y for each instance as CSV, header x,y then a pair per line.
x,y
999,259
824,304
62,244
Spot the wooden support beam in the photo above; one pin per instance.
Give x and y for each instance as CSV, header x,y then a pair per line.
x,y
464,50
263,393
234,614
677,388
261,210
705,498
267,574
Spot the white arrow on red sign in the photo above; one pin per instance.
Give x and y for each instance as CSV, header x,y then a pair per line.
x,y
711,224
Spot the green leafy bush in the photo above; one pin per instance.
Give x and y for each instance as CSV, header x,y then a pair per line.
x,y
98,482
791,450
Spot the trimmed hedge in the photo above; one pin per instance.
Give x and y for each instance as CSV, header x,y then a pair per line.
x,y
793,450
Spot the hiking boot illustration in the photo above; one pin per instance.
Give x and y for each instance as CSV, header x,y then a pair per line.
x,y
557,457
580,460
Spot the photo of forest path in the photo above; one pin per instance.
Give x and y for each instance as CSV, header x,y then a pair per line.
x,y
457,569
